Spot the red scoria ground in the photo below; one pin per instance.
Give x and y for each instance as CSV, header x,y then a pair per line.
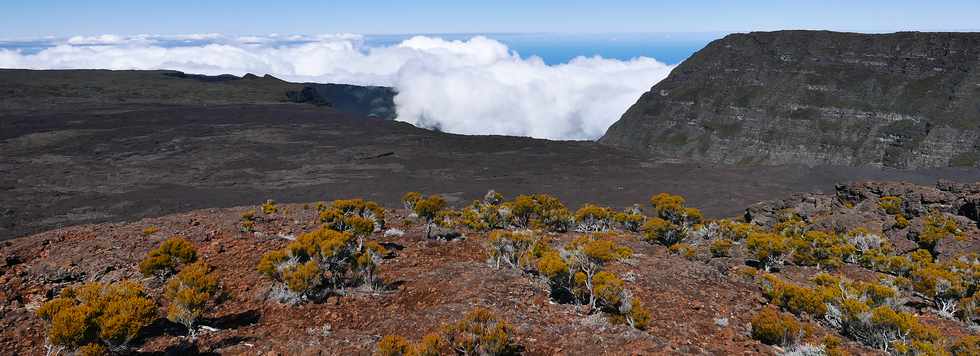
x,y
433,283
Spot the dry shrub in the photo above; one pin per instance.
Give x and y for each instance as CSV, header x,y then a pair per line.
x,y
94,316
164,260
480,332
190,294
775,328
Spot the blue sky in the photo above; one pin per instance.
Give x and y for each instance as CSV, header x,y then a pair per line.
x,y
37,18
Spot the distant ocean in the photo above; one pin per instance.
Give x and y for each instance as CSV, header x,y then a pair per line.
x,y
670,48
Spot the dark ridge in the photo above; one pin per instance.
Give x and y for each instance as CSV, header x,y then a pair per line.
x,y
901,100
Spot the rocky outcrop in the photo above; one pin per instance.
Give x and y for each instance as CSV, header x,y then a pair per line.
x,y
902,100
367,101
859,205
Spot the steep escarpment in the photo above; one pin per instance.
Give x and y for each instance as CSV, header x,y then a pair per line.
x,y
33,91
900,100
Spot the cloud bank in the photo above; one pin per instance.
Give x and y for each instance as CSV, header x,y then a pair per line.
x,y
477,86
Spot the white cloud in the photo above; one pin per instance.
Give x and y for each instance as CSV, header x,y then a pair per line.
x,y
478,86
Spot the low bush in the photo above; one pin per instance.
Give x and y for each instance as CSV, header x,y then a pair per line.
x,y
733,230
480,332
511,248
394,345
96,316
663,231
768,248
150,230
774,328
935,228
428,208
796,299
818,248
357,216
164,260
790,224
892,205
538,211
593,218
630,219
901,221
321,262
966,345
683,249
585,258
190,294
486,214
721,248
247,221
863,311
941,286
269,207
668,206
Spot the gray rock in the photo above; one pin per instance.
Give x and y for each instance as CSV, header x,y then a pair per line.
x,y
902,100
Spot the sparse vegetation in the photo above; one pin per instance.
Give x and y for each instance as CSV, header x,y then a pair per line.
x,y
593,218
880,308
630,219
270,207
97,317
721,248
480,332
321,262
150,230
768,248
428,208
511,249
775,328
190,294
935,228
164,260
892,205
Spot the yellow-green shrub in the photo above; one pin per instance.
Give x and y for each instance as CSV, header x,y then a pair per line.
x,y
358,216
630,219
320,261
721,248
733,230
593,218
164,260
935,228
269,207
662,231
942,286
966,345
821,248
512,248
794,298
97,314
774,328
901,221
480,332
394,345
892,205
190,293
769,249
683,249
668,206
410,199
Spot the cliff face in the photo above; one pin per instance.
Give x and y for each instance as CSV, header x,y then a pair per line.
x,y
903,100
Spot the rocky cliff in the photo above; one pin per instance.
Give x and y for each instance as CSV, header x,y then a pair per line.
x,y
900,100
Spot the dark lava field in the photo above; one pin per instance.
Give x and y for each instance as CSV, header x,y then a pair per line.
x,y
86,158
